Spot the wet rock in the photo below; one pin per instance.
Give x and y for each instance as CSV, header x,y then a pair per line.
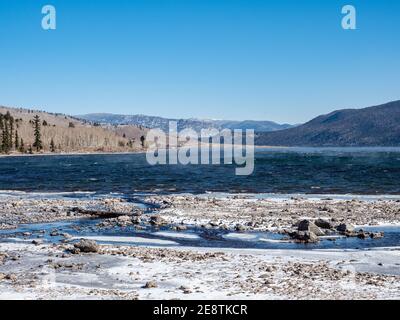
x,y
308,226
362,235
323,224
66,235
54,233
87,246
150,284
37,242
377,235
179,227
304,236
345,227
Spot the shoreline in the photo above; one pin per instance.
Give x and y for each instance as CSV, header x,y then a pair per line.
x,y
16,155
33,267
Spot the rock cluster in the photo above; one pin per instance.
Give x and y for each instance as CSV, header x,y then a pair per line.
x,y
309,231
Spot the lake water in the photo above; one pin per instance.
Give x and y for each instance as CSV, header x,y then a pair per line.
x,y
338,171
293,170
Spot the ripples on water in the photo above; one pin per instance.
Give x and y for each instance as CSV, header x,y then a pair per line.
x,y
298,170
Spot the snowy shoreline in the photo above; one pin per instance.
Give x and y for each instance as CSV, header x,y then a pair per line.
x,y
159,269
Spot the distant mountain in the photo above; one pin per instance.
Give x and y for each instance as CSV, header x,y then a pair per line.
x,y
195,124
373,126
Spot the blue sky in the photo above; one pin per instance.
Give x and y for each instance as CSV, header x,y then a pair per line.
x,y
285,60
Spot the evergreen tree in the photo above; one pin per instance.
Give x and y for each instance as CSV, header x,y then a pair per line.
x,y
142,140
21,146
10,135
52,146
38,138
16,144
30,151
6,128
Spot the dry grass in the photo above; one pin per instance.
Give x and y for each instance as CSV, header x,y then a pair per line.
x,y
73,135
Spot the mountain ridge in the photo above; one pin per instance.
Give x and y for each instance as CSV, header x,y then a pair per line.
x,y
377,125
196,124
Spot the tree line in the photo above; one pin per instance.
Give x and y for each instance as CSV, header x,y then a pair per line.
x,y
10,140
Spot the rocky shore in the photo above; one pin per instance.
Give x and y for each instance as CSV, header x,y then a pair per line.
x,y
86,268
16,210
301,219
28,271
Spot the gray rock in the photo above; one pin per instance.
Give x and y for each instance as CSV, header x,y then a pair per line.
x,y
157,221
323,224
37,242
377,235
345,227
180,227
150,284
304,236
308,226
240,228
87,246
136,220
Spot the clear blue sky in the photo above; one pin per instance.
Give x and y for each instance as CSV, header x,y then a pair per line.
x,y
285,60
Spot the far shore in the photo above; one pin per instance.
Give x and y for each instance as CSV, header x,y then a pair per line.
x,y
77,153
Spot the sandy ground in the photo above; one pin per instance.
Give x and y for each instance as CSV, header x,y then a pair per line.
x,y
50,271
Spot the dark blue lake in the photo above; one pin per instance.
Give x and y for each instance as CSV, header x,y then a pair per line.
x,y
297,170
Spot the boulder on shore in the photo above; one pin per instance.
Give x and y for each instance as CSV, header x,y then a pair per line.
x,y
304,236
323,224
345,228
308,226
87,246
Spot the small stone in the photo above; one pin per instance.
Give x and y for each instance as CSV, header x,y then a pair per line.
x,y
377,235
157,221
150,284
180,228
11,277
240,228
136,220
